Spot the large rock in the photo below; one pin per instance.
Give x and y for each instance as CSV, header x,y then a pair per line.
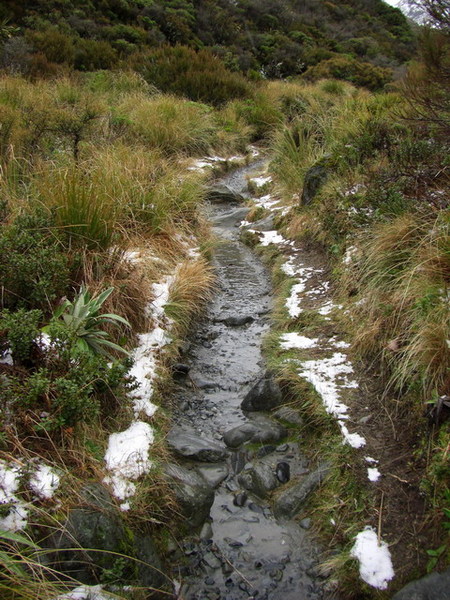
x,y
432,587
94,540
291,500
195,497
259,479
315,178
263,431
223,193
264,395
190,444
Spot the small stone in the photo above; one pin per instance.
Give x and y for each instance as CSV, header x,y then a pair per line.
x,y
240,499
305,523
233,543
283,448
256,508
283,472
276,574
209,581
206,532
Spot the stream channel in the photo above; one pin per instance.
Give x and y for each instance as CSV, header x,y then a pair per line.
x,y
237,549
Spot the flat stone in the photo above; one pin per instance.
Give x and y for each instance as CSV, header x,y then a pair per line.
x,y
213,474
290,501
190,444
237,321
435,586
264,395
223,193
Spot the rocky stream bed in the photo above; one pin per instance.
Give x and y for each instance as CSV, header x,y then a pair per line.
x,y
231,452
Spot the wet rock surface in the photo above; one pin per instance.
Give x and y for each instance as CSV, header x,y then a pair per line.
x,y
240,551
432,587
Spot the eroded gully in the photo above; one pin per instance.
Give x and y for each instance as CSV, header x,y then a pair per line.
x,y
238,549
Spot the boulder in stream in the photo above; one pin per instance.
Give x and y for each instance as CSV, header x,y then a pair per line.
x,y
435,586
259,479
264,395
222,193
190,444
291,500
263,430
195,497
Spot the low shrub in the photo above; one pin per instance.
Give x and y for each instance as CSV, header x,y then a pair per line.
x,y
200,76
342,67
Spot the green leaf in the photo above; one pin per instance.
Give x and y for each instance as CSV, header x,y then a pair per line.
x,y
17,537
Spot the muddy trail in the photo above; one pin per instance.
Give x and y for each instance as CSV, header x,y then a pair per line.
x,y
229,460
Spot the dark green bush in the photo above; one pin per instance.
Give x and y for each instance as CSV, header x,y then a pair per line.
x,y
33,267
200,76
91,55
20,330
347,68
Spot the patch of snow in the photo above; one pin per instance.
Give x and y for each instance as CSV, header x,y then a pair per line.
x,y
296,341
7,358
161,292
194,252
328,376
269,237
260,181
44,482
127,458
349,255
144,369
355,189
371,460
16,519
373,474
328,307
294,300
375,564
86,592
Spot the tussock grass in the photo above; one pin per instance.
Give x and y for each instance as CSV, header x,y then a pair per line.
x,y
170,123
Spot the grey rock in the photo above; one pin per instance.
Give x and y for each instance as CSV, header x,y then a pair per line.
x,y
94,537
206,532
263,430
237,321
435,586
211,560
314,179
258,479
189,444
223,193
264,395
288,414
283,472
305,523
192,492
290,501
266,224
213,474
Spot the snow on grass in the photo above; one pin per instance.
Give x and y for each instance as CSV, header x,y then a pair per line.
x,y
44,482
16,518
7,358
294,300
296,341
260,181
127,458
161,293
375,564
329,376
373,474
86,592
269,237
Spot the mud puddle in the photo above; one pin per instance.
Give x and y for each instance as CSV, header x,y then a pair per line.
x,y
230,462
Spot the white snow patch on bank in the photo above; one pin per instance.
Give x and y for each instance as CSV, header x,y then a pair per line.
x,y
86,592
296,341
373,474
16,518
260,181
294,300
44,482
7,358
161,292
269,237
328,376
127,458
370,460
375,564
